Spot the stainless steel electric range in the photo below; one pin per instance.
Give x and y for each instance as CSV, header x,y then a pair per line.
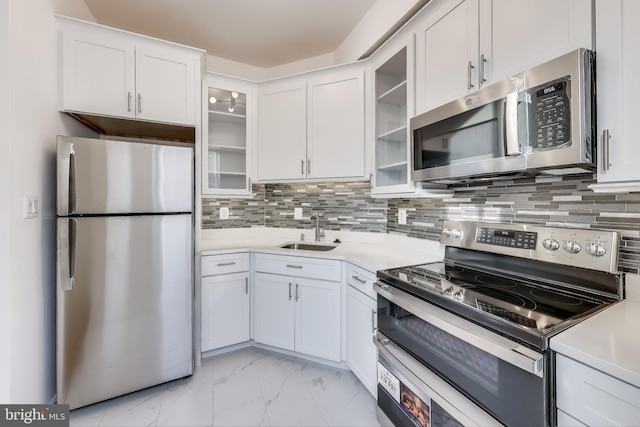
x,y
465,341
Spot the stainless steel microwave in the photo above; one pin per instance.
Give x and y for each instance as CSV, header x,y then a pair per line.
x,y
538,120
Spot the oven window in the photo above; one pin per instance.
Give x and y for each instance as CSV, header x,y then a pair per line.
x,y
510,394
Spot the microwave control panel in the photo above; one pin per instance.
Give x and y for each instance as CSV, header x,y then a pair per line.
x,y
550,117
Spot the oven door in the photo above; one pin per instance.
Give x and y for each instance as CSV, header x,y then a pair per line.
x,y
500,375
407,393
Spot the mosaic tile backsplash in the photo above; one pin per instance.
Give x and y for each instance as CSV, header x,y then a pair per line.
x,y
557,201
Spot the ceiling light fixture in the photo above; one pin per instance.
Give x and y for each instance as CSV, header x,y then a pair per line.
x,y
234,95
212,100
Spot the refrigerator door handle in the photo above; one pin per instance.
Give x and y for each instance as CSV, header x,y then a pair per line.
x,y
66,175
66,253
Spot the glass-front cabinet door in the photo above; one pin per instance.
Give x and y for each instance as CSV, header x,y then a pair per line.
x,y
227,141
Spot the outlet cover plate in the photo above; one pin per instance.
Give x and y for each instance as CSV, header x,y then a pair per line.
x,y
297,213
402,216
224,212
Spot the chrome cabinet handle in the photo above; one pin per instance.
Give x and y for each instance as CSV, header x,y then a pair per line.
x,y
246,285
355,277
302,167
139,103
483,61
224,264
297,292
308,166
469,68
606,137
289,291
129,101
294,266
373,321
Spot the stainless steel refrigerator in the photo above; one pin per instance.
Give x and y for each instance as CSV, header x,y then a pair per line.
x,y
124,267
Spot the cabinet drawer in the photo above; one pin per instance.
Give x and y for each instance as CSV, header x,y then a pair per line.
x,y
361,279
593,397
315,268
226,263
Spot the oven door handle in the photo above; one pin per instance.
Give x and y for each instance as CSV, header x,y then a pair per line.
x,y
503,348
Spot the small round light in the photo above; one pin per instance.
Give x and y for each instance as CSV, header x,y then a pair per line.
x,y
213,100
231,108
234,95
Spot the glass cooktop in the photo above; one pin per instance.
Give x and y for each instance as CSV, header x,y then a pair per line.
x,y
536,307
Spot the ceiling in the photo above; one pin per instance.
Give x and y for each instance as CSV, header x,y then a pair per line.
x,y
262,33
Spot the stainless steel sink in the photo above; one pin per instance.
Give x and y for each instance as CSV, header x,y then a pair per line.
x,y
309,246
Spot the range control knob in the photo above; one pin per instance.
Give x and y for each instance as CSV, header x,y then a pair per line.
x,y
452,233
596,249
459,296
572,246
551,244
448,292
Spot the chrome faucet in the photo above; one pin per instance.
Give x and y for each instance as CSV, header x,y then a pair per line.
x,y
319,229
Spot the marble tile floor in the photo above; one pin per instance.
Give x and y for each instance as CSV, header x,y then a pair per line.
x,y
248,387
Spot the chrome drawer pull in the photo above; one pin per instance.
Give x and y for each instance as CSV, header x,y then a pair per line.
x,y
224,264
294,266
363,281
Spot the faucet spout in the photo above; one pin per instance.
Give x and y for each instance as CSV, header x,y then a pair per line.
x,y
319,229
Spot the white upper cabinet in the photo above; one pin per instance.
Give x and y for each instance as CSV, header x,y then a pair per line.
x,y
392,88
312,127
228,130
282,131
108,72
462,46
617,61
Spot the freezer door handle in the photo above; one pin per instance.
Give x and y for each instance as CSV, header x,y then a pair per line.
x,y
66,177
66,253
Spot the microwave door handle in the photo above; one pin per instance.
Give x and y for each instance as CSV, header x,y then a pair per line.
x,y
511,125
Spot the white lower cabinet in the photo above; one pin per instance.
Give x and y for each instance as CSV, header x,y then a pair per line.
x,y
587,396
361,352
301,311
225,300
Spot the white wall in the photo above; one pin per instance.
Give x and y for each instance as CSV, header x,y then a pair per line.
x,y
32,86
5,161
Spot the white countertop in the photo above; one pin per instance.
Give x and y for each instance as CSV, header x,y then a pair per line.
x,y
607,341
371,251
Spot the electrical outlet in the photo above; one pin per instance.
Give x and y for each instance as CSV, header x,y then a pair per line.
x,y
29,207
297,213
402,216
224,212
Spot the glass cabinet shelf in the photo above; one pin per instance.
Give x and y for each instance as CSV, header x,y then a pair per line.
x,y
226,161
395,135
397,95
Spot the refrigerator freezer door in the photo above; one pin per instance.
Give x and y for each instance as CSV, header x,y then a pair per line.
x,y
103,177
126,323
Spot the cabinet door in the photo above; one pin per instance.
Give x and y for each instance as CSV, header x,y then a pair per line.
x,y
97,71
228,136
335,132
551,28
165,84
225,310
362,355
448,52
317,314
282,133
274,310
618,59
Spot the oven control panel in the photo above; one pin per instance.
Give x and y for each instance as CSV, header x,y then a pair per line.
x,y
510,238
585,248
